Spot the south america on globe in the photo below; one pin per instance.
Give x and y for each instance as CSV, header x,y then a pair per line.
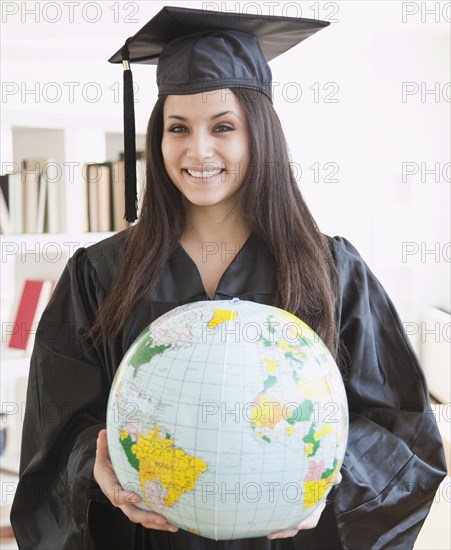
x,y
229,418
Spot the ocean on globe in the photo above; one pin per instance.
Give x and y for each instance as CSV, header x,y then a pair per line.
x,y
229,418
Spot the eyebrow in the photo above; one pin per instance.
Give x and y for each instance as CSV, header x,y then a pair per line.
x,y
214,117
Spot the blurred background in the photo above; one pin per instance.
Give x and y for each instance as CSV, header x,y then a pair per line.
x,y
365,104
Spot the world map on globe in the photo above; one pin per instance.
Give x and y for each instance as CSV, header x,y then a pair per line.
x,y
229,418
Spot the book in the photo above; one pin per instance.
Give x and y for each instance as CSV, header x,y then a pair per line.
x,y
54,218
41,197
118,196
93,212
32,168
84,198
30,180
4,187
42,205
5,222
104,197
16,213
99,196
33,300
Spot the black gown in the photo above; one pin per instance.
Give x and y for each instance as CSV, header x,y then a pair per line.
x,y
394,460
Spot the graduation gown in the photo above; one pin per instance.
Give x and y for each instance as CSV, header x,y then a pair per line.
x,y
394,460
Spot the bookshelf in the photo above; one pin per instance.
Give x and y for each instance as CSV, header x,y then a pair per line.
x,y
70,142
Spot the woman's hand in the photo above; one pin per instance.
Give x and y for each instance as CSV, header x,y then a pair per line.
x,y
309,523
125,500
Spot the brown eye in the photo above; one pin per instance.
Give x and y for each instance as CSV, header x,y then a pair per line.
x,y
224,128
177,129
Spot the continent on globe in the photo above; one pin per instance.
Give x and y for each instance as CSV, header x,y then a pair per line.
x,y
317,482
145,353
221,316
156,457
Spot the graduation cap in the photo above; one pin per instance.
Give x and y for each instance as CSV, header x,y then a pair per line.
x,y
201,50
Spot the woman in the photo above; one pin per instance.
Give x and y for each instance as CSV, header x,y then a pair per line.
x,y
217,209
222,218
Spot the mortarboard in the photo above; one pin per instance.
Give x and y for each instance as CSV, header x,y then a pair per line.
x,y
201,50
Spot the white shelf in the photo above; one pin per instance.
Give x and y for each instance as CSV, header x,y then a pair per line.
x,y
9,465
14,369
70,141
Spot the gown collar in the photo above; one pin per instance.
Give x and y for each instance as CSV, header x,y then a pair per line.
x,y
250,272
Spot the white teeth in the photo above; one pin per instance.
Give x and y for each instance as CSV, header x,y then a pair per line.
x,y
210,174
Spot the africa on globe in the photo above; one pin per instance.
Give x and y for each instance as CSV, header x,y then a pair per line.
x,y
229,418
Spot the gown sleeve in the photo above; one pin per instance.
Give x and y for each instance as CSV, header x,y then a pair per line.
x,y
66,403
394,460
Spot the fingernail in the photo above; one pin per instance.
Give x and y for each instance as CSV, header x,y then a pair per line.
x,y
161,521
173,529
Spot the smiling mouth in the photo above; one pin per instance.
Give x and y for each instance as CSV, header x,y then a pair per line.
x,y
204,174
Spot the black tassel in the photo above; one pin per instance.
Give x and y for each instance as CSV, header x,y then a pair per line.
x,y
129,140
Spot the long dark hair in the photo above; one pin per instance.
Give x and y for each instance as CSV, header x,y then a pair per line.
x,y
306,276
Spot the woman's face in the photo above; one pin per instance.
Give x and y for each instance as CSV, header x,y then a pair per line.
x,y
205,145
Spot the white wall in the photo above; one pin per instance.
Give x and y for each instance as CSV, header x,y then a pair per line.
x,y
366,136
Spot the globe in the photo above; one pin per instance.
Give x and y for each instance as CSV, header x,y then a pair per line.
x,y
229,418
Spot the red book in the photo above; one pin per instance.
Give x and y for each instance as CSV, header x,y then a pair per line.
x,y
35,296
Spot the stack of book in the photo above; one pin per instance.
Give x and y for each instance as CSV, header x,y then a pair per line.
x,y
30,199
104,196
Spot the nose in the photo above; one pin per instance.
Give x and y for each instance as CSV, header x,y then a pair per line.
x,y
199,146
